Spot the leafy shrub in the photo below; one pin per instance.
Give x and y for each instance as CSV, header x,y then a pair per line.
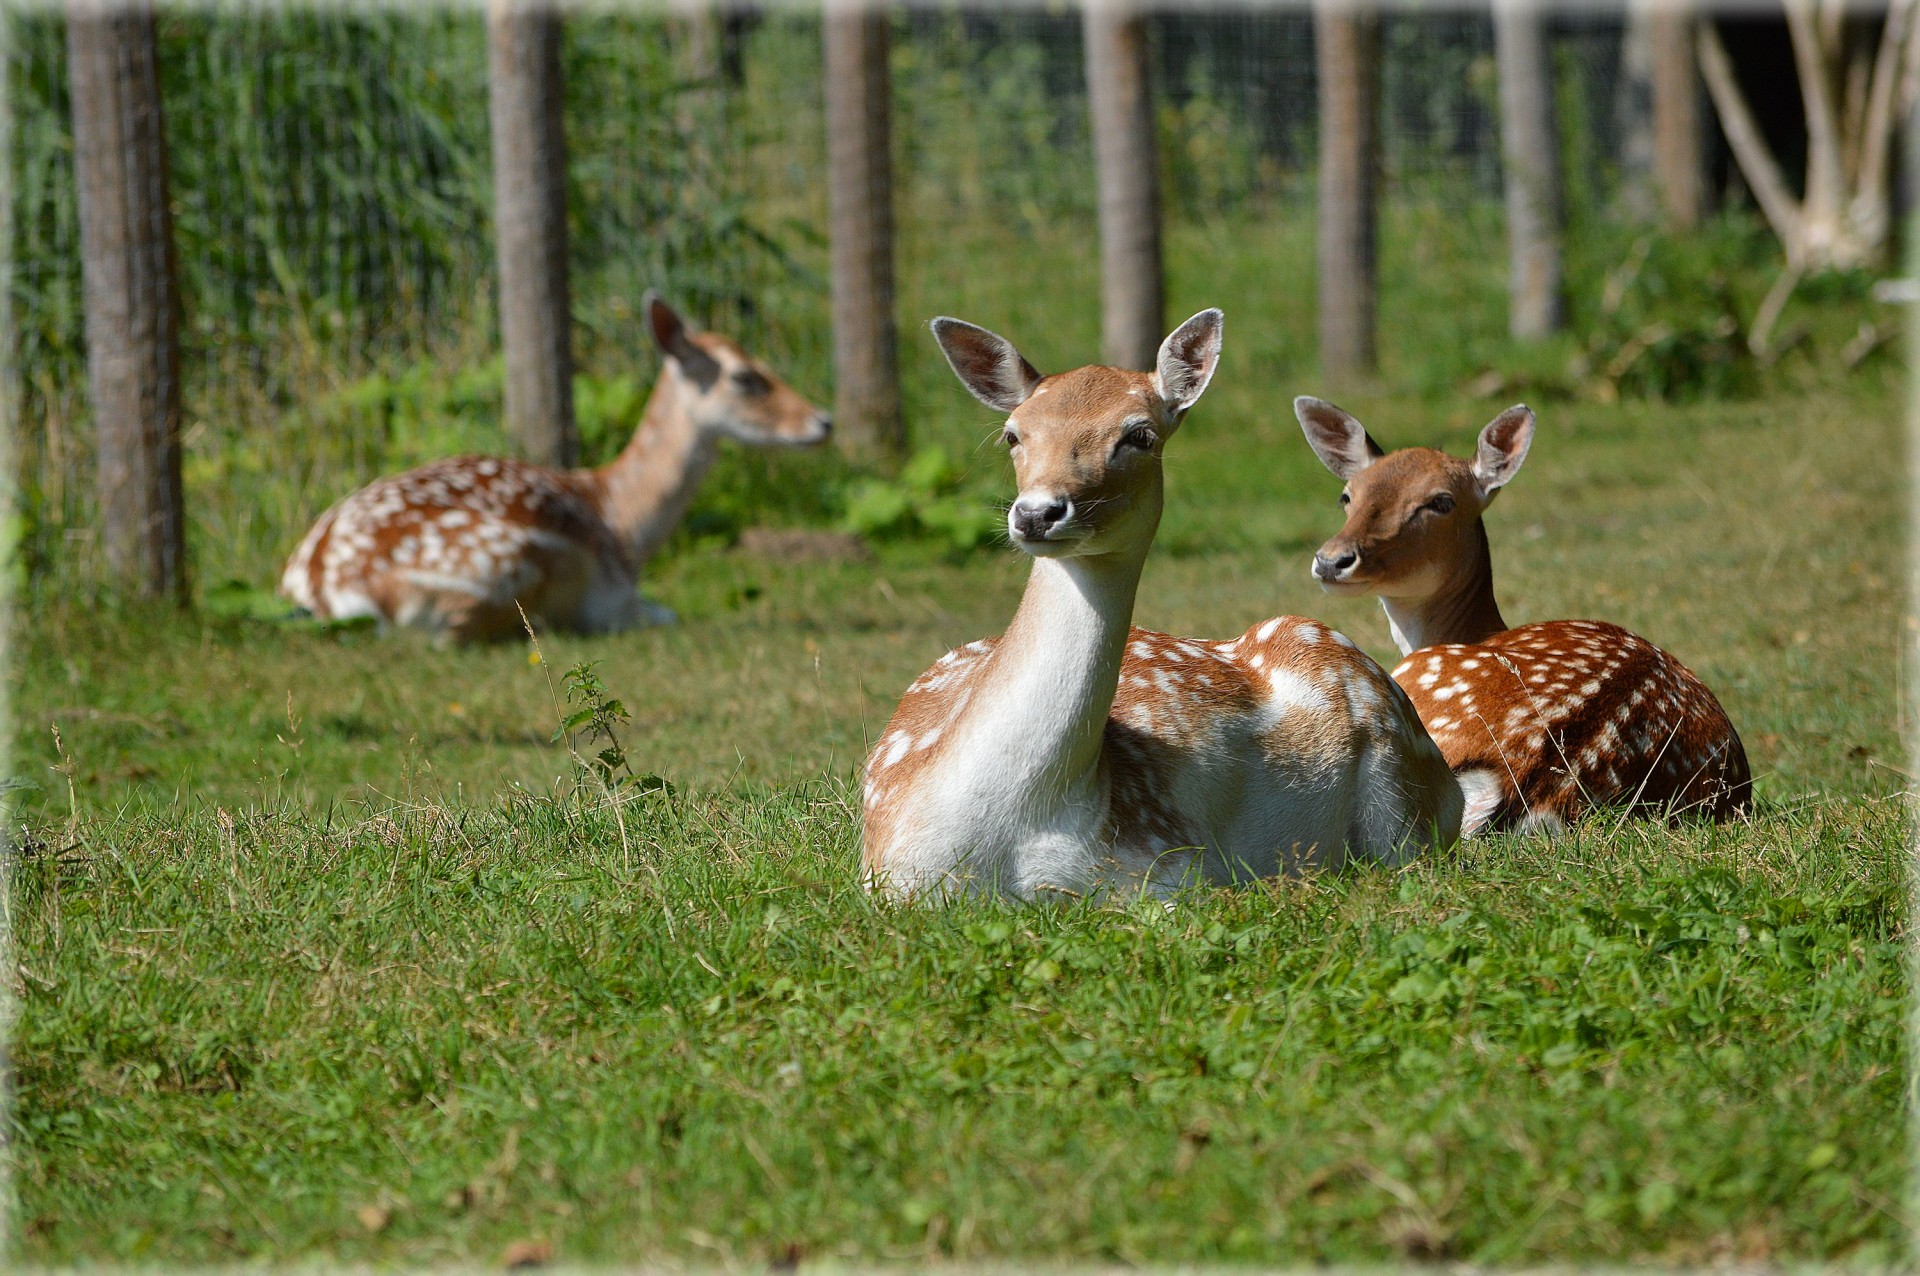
x,y
925,499
428,411
419,413
1666,328
605,412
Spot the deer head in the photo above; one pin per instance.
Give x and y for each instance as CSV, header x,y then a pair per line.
x,y
726,392
1413,516
1085,444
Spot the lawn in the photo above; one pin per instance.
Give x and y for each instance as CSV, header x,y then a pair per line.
x,y
324,952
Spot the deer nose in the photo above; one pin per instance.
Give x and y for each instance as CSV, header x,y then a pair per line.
x,y
1331,567
823,426
1035,517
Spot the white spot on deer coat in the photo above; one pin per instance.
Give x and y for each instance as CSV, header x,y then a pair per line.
x,y
1292,691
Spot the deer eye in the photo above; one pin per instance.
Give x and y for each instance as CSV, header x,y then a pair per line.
x,y
1441,504
1011,439
1346,498
1141,436
750,383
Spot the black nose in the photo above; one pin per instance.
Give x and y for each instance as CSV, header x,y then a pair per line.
x,y
1328,568
1035,521
826,426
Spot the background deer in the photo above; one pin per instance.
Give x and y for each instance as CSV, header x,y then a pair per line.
x,y
1074,753
1540,722
459,547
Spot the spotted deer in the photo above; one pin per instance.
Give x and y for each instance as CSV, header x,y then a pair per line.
x,y
1076,754
461,547
1542,722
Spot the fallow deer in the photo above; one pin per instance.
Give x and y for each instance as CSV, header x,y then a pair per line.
x,y
461,547
1542,722
1076,754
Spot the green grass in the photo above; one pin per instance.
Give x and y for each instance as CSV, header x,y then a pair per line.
x,y
426,1033
324,954
1748,537
306,974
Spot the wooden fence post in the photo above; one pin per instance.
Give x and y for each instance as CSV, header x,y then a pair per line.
x,y
1347,53
1530,148
1126,157
866,367
524,100
131,292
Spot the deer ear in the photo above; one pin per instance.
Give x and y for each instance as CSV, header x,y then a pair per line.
x,y
1342,443
1503,446
1187,359
986,363
671,335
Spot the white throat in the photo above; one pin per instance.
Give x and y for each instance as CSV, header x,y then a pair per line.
x,y
1407,626
1044,708
1021,795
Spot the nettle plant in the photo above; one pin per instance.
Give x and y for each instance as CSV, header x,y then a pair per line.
x,y
595,717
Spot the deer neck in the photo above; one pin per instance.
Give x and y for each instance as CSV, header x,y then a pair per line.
x,y
645,491
1462,610
1042,713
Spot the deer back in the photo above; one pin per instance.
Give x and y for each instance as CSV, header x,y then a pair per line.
x,y
1564,716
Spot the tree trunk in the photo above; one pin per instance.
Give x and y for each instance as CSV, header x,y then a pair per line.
x,y
1677,160
131,292
1132,284
860,211
1530,146
1347,47
530,227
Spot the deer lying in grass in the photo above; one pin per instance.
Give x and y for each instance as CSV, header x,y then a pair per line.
x,y
1541,722
461,547
1075,754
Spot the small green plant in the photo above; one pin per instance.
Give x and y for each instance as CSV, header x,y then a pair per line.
x,y
925,499
595,720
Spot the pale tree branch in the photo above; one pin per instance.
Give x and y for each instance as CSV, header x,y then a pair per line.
x,y
1833,22
1826,182
1889,66
1853,72
1757,164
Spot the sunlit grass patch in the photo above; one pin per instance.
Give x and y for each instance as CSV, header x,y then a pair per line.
x,y
690,1032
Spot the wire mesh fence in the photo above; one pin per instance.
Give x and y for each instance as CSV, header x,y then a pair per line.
x,y
331,184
